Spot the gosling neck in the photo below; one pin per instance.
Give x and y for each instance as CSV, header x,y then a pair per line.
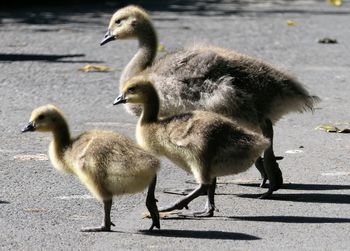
x,y
150,111
61,137
145,55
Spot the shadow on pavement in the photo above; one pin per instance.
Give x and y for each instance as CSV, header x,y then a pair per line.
x,y
306,197
4,202
61,13
296,186
291,219
43,57
199,234
186,191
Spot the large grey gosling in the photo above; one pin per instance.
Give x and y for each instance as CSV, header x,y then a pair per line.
x,y
204,77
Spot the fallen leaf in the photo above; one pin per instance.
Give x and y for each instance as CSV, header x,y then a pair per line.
x,y
330,128
161,48
336,3
327,40
25,157
290,22
294,151
95,68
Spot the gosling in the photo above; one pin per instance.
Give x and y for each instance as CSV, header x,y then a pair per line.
x,y
203,143
106,163
205,77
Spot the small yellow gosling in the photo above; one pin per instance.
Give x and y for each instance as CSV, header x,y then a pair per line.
x,y
107,163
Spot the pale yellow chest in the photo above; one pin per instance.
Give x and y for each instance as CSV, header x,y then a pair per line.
x,y
158,143
57,160
147,139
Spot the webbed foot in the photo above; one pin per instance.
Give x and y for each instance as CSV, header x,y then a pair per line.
x,y
266,195
207,212
154,213
183,203
98,229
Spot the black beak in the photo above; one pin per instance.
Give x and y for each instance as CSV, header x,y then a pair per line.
x,y
107,38
120,100
29,128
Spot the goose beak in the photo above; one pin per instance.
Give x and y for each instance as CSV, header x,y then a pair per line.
x,y
107,38
120,100
29,127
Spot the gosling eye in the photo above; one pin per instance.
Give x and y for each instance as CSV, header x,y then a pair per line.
x,y
131,90
41,117
118,21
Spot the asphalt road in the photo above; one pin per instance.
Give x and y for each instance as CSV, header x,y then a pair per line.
x,y
40,54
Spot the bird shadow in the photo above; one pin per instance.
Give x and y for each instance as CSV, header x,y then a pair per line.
x,y
187,216
200,234
305,197
299,186
56,58
291,186
291,219
186,191
281,219
221,8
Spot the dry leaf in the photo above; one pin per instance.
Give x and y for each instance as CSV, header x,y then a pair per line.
x,y
161,48
327,40
25,157
294,151
336,3
330,128
290,22
95,68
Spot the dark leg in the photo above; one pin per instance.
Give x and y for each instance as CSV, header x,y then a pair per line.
x,y
210,205
259,164
106,224
151,204
272,170
183,203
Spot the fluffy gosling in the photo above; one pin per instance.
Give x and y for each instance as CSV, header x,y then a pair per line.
x,y
203,143
107,163
205,77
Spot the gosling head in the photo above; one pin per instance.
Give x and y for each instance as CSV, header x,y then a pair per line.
x,y
128,22
137,90
44,119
